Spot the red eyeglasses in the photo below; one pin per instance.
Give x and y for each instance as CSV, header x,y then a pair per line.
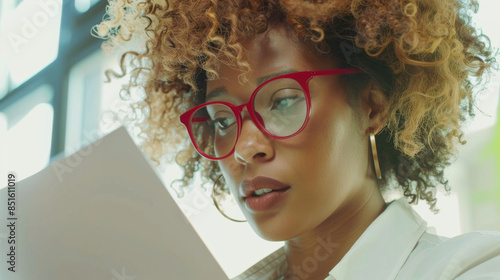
x,y
279,107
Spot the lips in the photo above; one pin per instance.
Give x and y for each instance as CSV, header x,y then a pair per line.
x,y
267,200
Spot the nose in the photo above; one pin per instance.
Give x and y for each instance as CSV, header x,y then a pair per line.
x,y
253,145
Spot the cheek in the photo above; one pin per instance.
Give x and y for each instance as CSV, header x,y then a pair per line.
x,y
328,140
230,169
327,128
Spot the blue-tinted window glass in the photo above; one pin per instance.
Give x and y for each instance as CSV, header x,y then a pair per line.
x,y
29,37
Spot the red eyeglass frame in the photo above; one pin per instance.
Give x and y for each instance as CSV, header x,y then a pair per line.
x,y
302,77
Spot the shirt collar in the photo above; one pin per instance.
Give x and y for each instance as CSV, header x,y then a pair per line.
x,y
393,234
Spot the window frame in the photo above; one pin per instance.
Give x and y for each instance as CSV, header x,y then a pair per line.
x,y
75,44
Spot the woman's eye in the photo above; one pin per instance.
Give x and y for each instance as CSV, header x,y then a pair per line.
x,y
283,103
286,98
223,123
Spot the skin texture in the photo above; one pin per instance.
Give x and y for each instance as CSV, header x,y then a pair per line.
x,y
333,195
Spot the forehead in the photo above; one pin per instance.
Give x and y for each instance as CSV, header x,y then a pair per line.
x,y
268,54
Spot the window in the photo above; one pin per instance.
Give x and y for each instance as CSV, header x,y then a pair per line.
x,y
30,37
84,5
26,128
84,95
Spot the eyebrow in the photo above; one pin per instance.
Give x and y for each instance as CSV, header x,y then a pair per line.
x,y
222,90
274,75
216,93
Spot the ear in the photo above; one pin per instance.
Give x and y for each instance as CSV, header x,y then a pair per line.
x,y
373,103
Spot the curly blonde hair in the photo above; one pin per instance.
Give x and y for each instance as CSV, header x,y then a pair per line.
x,y
424,55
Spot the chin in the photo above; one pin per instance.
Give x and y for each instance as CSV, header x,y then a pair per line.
x,y
272,230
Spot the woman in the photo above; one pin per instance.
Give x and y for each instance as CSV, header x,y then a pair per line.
x,y
307,112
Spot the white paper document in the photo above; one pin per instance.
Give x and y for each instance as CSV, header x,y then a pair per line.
x,y
101,213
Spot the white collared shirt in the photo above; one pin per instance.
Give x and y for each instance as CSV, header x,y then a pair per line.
x,y
397,245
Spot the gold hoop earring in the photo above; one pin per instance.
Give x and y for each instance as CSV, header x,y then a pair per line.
x,y
376,164
217,204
